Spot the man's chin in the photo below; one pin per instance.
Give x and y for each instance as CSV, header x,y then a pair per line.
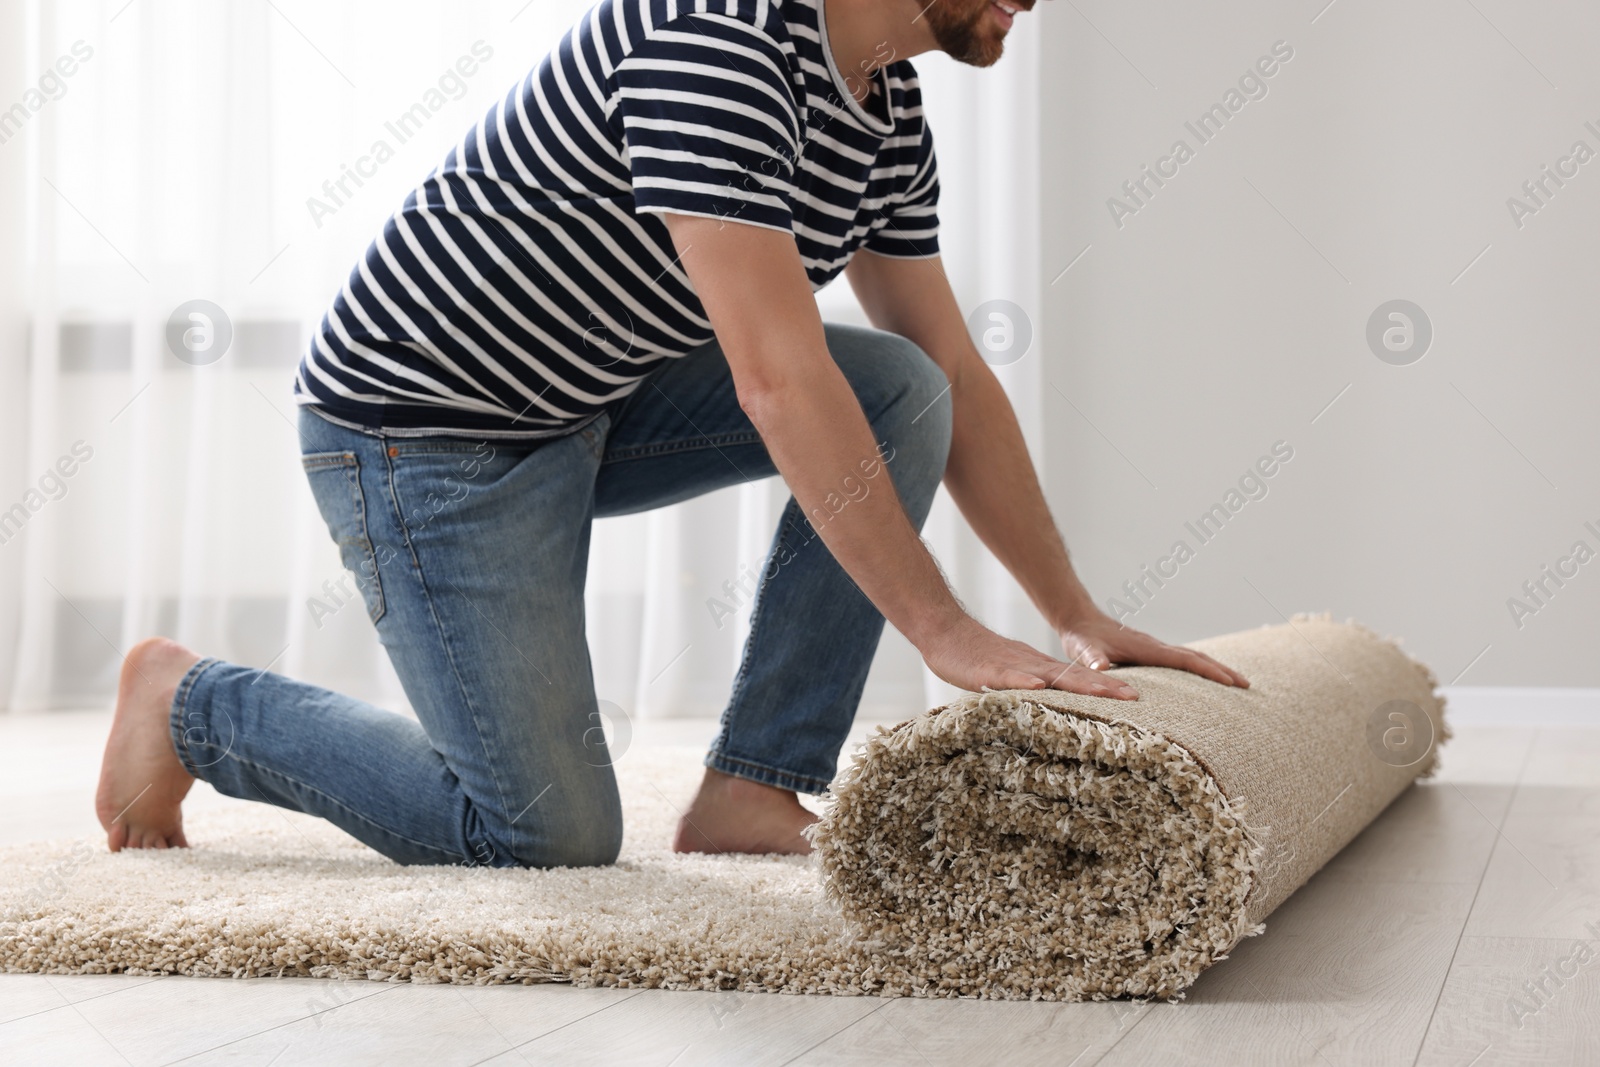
x,y
987,55
979,51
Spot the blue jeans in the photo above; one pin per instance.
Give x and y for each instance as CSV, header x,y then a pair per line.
x,y
470,557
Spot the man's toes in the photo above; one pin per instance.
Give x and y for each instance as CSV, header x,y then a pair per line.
x,y
117,837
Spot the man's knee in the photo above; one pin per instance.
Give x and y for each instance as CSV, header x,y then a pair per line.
x,y
918,392
593,844
913,426
585,832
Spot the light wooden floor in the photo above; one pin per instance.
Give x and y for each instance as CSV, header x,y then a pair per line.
x,y
1408,949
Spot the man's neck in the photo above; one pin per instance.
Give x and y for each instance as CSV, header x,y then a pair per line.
x,y
866,35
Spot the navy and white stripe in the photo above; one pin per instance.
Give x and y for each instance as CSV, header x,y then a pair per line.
x,y
530,280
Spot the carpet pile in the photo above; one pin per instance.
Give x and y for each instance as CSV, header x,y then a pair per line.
x,y
1041,844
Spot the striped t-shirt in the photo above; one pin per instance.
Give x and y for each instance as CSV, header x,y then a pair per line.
x,y
530,280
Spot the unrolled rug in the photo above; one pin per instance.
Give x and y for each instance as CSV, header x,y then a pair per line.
x,y
1015,844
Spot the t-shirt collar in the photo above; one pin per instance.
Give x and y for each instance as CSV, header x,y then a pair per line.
x,y
865,117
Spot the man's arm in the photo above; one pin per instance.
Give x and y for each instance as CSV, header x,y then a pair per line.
x,y
755,291
990,475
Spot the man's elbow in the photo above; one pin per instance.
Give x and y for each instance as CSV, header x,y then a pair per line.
x,y
773,394
956,367
759,397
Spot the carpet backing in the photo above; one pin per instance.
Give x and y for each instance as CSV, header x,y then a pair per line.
x,y
1018,844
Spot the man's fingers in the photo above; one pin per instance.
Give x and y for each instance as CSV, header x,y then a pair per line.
x,y
1074,678
1098,653
1187,659
1206,668
1219,671
1095,658
1238,679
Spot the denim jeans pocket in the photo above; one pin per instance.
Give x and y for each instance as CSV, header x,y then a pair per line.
x,y
336,483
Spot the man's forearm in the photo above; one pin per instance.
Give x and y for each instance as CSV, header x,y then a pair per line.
x,y
991,478
989,474
810,420
822,445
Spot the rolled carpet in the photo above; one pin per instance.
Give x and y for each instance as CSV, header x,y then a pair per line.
x,y
1035,843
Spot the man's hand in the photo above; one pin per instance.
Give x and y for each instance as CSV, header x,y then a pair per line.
x,y
1096,640
970,656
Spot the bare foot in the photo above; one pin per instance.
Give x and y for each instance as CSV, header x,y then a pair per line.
x,y
142,782
731,814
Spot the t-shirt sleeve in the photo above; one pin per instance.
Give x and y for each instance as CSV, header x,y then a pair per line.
x,y
710,123
912,231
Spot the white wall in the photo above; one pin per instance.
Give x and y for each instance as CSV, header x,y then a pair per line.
x,y
1228,311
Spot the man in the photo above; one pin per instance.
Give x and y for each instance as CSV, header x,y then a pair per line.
x,y
601,302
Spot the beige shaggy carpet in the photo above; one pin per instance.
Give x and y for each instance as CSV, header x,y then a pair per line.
x,y
1015,845
1041,844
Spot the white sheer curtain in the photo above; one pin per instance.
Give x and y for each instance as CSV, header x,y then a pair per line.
x,y
203,151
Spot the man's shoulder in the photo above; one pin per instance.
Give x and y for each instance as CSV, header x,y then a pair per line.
x,y
643,20
741,37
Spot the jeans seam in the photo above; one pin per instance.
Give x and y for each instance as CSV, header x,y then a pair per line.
x,y
444,643
731,713
347,465
317,461
375,613
334,801
761,599
682,445
431,447
411,433
180,705
810,784
741,678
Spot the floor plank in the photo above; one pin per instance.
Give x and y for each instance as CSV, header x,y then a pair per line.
x,y
440,1025
160,1022
1487,755
1518,1001
658,1027
958,1033
1567,757
1544,877
28,994
521,1013
61,1036
1434,832
1347,973
22,995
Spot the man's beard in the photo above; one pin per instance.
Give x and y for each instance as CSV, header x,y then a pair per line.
x,y
958,27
